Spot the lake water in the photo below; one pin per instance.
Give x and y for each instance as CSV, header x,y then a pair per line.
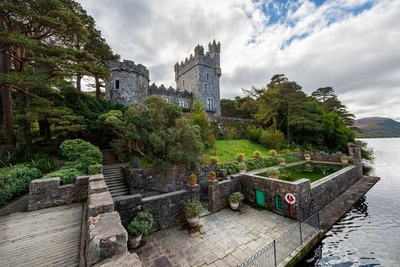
x,y
369,234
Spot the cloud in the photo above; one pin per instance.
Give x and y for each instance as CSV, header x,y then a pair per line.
x,y
351,45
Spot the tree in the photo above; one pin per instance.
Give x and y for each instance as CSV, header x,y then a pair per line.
x,y
157,132
329,102
199,117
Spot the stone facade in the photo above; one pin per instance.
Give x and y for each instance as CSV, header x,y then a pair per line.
x,y
196,78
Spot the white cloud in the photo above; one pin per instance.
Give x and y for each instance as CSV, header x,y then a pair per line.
x,y
336,44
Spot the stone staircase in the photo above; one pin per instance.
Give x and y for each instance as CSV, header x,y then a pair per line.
x,y
115,180
109,157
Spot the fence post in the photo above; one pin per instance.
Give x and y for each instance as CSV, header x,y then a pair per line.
x,y
301,235
275,252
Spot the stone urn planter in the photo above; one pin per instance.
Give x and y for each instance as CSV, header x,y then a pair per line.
x,y
235,199
134,241
281,161
242,167
192,210
273,173
345,159
307,157
139,226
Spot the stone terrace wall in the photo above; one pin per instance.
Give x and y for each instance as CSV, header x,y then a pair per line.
x,y
45,193
167,209
219,191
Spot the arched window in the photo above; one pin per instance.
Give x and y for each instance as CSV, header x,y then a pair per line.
x,y
116,85
181,103
205,86
213,89
207,77
209,104
278,203
166,98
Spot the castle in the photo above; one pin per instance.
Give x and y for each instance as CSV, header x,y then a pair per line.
x,y
196,78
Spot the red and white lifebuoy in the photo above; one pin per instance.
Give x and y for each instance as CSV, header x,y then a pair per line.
x,y
290,198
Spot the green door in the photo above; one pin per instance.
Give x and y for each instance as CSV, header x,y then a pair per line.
x,y
260,198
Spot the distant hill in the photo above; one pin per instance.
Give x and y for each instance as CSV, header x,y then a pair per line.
x,y
375,127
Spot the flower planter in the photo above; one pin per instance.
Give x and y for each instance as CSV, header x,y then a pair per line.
x,y
345,161
242,171
234,206
192,182
213,178
281,162
273,176
134,241
307,158
193,221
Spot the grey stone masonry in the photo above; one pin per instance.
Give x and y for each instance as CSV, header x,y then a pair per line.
x,y
100,203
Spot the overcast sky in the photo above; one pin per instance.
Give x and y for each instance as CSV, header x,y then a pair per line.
x,y
350,45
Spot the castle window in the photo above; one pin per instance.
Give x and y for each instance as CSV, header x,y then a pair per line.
x,y
210,104
166,98
183,83
116,84
205,86
207,77
213,89
181,103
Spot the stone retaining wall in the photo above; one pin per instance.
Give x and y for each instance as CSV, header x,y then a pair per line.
x,y
45,193
219,191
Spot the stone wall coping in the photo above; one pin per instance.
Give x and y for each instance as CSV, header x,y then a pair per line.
x,y
120,198
164,195
96,177
97,187
331,176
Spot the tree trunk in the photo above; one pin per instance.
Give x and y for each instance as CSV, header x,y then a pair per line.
x,y
78,82
98,92
44,128
8,116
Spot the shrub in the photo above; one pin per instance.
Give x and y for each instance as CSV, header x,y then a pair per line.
x,y
273,171
67,174
82,153
213,160
240,156
297,150
285,151
272,139
192,208
242,166
14,181
253,133
141,224
257,154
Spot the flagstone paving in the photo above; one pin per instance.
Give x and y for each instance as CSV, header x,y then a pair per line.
x,y
224,238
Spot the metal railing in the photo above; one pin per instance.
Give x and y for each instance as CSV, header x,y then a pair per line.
x,y
279,249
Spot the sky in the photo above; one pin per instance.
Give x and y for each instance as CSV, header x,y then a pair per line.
x,y
351,45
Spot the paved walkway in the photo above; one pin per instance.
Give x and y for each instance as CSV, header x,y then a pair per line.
x,y
47,237
225,238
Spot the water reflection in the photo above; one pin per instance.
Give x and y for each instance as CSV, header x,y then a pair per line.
x,y
368,234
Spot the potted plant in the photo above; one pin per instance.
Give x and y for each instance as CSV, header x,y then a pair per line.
x,y
235,199
214,160
272,152
242,167
297,150
281,160
273,173
285,151
192,209
240,157
192,179
307,156
345,159
213,176
257,154
139,226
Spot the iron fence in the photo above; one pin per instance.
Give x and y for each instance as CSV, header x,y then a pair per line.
x,y
279,249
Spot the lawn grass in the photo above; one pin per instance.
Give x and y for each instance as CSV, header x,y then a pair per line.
x,y
227,150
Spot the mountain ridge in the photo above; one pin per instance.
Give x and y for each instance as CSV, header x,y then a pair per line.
x,y
377,127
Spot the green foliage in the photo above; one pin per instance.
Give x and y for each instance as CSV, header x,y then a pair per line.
x,y
157,132
14,181
273,171
254,133
272,139
192,208
239,156
213,160
257,154
273,152
236,197
192,177
141,224
241,166
67,174
212,173
82,153
93,169
199,117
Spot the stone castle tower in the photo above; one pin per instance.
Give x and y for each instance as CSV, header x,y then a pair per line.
x,y
200,75
196,78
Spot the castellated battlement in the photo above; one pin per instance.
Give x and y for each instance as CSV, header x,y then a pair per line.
x,y
128,66
164,91
210,59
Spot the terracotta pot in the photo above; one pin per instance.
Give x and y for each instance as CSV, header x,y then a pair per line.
x,y
192,182
307,158
193,221
213,178
345,161
273,176
134,241
234,206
